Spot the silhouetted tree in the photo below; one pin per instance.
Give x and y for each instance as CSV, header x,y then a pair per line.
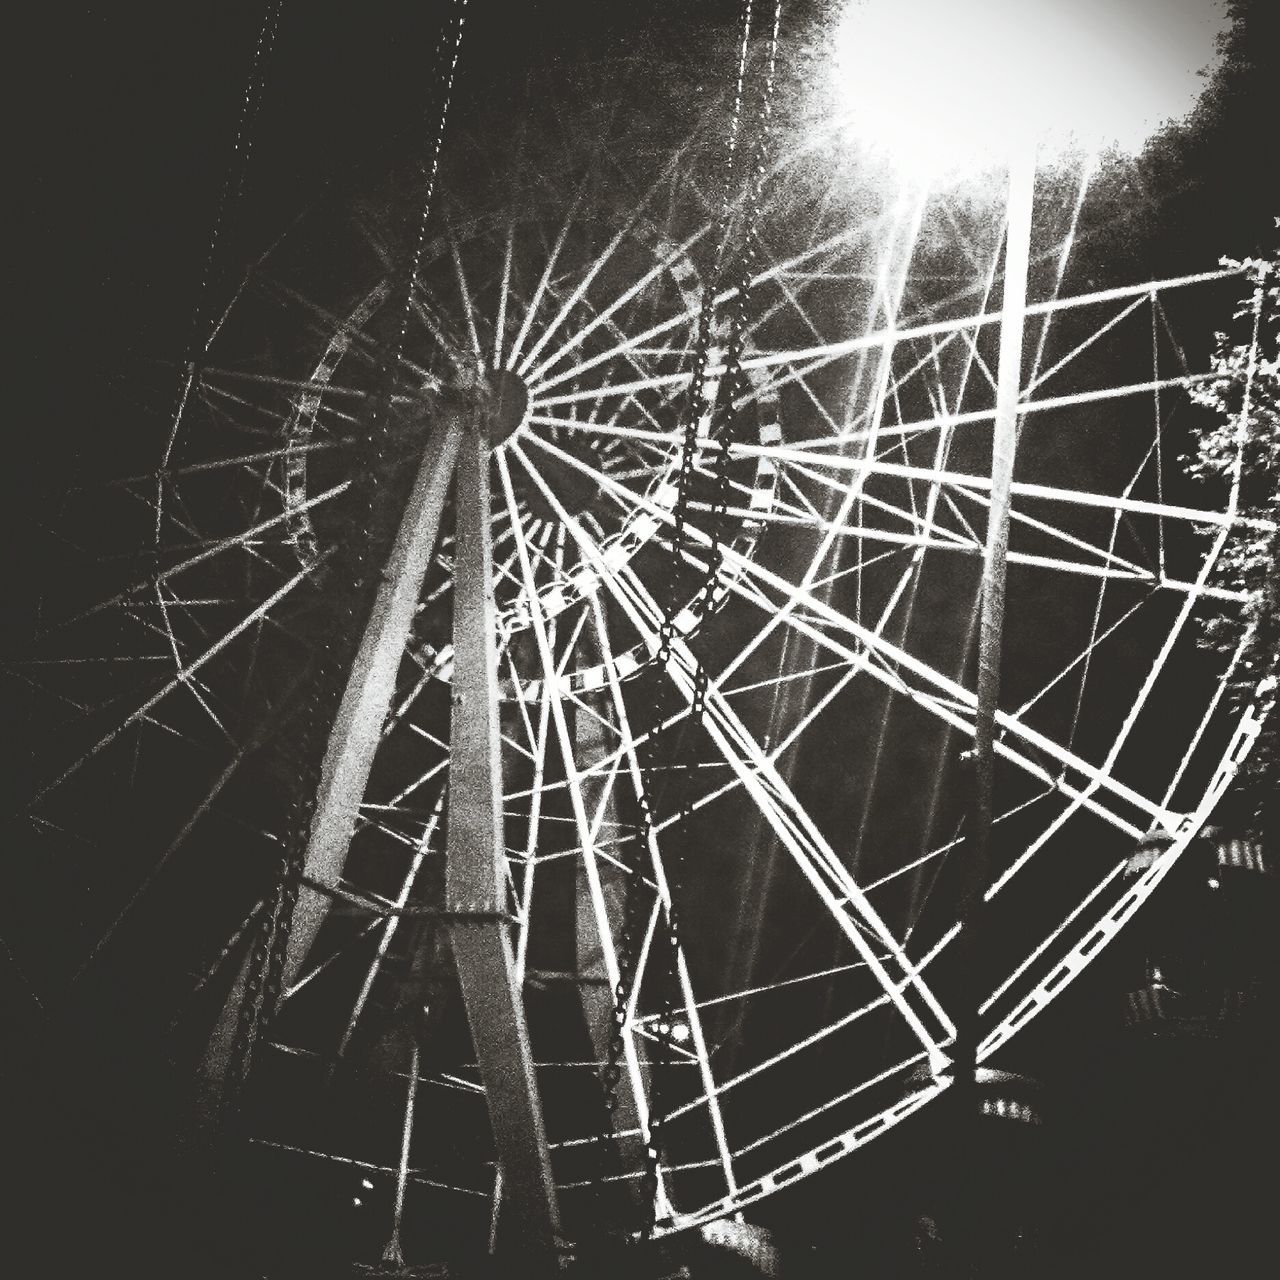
x,y
1243,443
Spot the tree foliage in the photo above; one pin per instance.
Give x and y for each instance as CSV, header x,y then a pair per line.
x,y
1242,445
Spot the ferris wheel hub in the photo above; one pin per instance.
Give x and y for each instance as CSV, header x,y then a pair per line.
x,y
509,404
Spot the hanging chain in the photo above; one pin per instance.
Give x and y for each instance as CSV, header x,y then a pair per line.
x,y
198,341
229,193
695,401
265,970
636,849
731,385
269,950
233,181
698,407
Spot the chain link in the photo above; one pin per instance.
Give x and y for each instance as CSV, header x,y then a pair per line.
x,y
264,976
696,406
655,756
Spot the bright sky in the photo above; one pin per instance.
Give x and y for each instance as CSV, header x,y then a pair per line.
x,y
945,85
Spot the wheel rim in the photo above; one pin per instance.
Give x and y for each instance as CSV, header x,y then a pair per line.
x,y
912,500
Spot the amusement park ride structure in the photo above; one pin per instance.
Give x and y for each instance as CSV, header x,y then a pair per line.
x,y
466,426
600,450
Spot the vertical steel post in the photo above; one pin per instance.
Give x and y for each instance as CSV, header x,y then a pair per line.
x,y
476,879
1022,172
969,1190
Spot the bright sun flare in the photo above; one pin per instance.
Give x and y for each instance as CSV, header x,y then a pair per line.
x,y
942,85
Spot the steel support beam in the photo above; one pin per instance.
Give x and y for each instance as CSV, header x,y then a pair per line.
x,y
977,847
476,881
476,878
357,727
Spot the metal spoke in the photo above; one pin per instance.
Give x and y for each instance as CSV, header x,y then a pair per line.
x,y
589,858
813,856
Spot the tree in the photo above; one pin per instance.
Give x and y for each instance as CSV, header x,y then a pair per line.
x,y
1241,446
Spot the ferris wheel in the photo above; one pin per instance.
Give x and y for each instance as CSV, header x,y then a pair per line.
x,y
619,617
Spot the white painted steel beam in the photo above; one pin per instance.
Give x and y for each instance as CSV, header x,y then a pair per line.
x,y
356,731
476,880
357,728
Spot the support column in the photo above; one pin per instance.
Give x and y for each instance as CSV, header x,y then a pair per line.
x,y
366,701
357,727
1022,173
476,879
